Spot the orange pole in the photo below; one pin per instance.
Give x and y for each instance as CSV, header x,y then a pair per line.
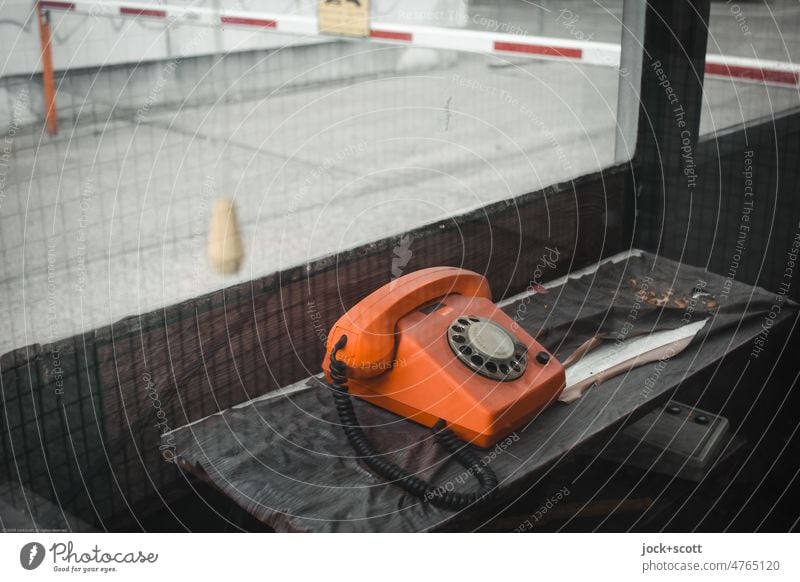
x,y
48,81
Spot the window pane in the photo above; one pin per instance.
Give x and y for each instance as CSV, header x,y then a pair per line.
x,y
322,143
752,66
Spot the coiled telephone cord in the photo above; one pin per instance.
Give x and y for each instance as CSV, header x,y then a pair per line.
x,y
440,496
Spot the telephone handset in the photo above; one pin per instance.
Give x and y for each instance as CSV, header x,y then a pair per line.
x,y
370,325
431,346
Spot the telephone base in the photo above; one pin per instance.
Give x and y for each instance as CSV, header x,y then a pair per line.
x,y
428,382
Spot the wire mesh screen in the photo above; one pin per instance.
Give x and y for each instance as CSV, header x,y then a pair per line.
x,y
717,188
751,139
319,145
748,193
192,192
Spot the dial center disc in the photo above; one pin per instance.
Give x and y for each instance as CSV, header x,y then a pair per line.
x,y
491,339
487,347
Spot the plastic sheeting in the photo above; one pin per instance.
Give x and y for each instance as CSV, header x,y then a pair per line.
x,y
285,459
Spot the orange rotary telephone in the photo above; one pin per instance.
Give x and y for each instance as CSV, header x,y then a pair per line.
x,y
431,346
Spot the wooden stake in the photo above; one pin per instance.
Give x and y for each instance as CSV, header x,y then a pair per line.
x,y
224,241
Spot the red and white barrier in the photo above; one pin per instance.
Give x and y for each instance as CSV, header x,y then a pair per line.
x,y
743,69
459,39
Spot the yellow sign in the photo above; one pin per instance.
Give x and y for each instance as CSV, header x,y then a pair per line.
x,y
344,17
